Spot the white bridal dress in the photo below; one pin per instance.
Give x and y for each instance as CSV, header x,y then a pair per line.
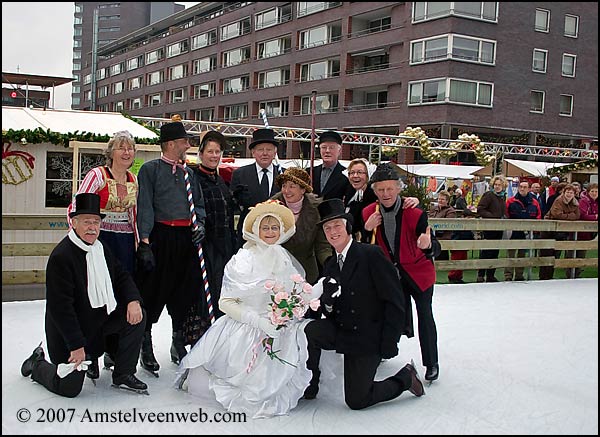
x,y
240,373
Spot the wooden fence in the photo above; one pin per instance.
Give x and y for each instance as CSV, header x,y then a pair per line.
x,y
56,222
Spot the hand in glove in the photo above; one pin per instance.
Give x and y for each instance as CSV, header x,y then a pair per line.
x,y
331,290
389,350
253,319
198,235
145,257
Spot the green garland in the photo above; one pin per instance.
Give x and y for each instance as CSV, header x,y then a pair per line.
x,y
39,135
581,165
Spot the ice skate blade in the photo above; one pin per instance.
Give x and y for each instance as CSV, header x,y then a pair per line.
x,y
133,390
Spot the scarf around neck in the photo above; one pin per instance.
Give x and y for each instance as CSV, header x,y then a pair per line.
x,y
100,290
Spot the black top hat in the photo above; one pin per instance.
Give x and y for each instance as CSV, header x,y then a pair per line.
x,y
333,209
385,172
213,135
263,136
172,131
87,203
330,136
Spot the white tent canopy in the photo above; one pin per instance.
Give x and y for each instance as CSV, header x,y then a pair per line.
x,y
65,121
530,168
441,170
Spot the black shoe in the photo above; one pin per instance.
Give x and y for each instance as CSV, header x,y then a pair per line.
x,y
93,372
129,381
492,279
456,281
147,358
416,386
178,350
109,360
313,388
37,355
432,373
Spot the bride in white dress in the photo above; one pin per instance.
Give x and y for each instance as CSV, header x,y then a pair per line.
x,y
241,374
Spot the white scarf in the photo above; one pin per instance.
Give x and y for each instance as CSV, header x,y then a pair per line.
x,y
100,290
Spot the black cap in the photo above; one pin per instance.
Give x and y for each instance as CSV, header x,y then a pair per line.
x,y
87,203
263,136
213,135
333,209
330,136
172,131
385,172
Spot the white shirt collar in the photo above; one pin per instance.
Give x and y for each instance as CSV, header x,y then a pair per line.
x,y
259,169
345,250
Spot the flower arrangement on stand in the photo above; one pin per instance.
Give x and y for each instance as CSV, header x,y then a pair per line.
x,y
286,306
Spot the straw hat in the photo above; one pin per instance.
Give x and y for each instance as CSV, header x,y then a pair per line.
x,y
270,207
297,176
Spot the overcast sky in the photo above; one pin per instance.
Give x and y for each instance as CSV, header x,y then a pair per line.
x,y
37,38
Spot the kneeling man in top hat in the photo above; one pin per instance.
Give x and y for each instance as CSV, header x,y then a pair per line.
x,y
364,308
89,295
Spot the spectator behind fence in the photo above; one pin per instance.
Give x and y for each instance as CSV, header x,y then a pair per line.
x,y
588,206
444,210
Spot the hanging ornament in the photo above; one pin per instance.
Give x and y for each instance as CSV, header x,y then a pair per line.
x,y
17,166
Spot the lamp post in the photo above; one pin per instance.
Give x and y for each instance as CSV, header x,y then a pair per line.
x,y
312,133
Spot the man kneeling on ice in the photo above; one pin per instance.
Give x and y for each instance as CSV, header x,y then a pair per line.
x,y
89,295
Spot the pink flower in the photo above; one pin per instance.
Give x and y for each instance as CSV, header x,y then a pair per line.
x,y
307,288
297,278
282,295
315,304
269,284
299,312
278,287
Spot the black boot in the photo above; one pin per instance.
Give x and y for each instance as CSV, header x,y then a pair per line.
x,y
147,358
178,350
92,372
37,355
313,387
432,373
409,375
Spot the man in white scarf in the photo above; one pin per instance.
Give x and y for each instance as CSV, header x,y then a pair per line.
x,y
89,295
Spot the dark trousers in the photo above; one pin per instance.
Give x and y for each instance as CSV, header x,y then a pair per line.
x,y
427,329
360,389
128,351
489,253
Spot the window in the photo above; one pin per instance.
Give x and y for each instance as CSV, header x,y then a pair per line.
x,y
155,77
236,56
542,20
455,47
155,56
118,87
540,58
136,103
102,91
177,72
134,63
59,175
205,64
236,112
267,79
204,39
276,108
134,83
155,99
176,96
119,106
568,65
376,99
178,48
451,91
76,66
537,101
566,105
369,61
76,54
423,11
571,26
273,47
380,24
207,114
236,85
87,79
236,29
117,69
307,8
319,70
205,90
320,35
323,103
76,89
273,16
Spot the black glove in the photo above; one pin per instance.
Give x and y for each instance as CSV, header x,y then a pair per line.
x,y
198,235
389,350
145,257
330,293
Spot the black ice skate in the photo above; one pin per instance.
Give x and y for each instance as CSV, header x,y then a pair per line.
x,y
131,383
147,359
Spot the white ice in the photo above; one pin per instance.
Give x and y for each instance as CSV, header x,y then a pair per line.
x,y
515,358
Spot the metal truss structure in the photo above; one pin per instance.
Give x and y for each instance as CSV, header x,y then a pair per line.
x,y
377,142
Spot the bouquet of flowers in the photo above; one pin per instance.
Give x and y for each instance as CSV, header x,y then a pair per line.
x,y
286,306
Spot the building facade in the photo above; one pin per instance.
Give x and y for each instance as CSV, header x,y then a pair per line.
x,y
509,72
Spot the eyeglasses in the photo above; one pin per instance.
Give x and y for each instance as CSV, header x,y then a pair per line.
x,y
324,147
125,149
356,173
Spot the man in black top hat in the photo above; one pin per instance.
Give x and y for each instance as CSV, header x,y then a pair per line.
x,y
255,183
328,180
169,270
363,305
89,295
